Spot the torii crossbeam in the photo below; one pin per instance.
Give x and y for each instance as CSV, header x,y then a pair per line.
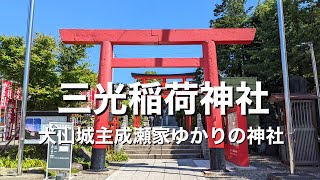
x,y
208,38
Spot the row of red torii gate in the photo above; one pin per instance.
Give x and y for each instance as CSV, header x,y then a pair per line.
x,y
207,38
181,78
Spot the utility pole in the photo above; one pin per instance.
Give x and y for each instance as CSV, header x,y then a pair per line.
x,y
25,86
315,72
286,84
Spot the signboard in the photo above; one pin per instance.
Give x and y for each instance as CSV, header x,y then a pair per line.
x,y
236,153
36,124
232,124
59,155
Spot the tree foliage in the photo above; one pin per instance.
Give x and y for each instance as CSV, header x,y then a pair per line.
x,y
262,57
51,63
72,66
231,14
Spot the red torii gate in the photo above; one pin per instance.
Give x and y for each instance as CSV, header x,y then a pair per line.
x,y
164,78
208,38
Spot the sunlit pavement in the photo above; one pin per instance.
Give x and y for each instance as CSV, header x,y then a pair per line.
x,y
157,169
163,169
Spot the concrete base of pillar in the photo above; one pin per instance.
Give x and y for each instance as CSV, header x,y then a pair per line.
x,y
98,160
217,160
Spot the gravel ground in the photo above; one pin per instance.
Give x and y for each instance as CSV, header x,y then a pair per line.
x,y
11,174
265,166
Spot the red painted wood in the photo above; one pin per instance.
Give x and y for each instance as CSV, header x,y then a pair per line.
x,y
239,154
146,76
211,74
164,81
104,76
189,123
207,37
184,80
156,62
136,121
161,36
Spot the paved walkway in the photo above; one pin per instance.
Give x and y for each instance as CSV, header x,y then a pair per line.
x,y
158,169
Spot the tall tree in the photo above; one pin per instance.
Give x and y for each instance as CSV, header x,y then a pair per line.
x,y
12,54
43,80
72,65
231,14
301,22
262,57
46,68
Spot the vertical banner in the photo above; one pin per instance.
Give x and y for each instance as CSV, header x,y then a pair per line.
x,y
18,93
10,117
6,93
17,117
11,95
90,97
92,101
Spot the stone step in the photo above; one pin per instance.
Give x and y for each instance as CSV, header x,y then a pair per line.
x,y
164,156
164,151
169,146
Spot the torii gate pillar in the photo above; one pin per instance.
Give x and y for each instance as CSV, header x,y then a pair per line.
x,y
105,75
210,69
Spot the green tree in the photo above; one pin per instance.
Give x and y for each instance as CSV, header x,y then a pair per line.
x,y
46,68
301,25
43,80
262,57
12,57
72,65
231,14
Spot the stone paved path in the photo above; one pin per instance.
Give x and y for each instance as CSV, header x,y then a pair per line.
x,y
158,169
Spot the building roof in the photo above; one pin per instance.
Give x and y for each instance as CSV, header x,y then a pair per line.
x,y
275,98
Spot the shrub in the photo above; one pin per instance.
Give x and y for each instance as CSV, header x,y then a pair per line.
x,y
30,151
8,162
113,156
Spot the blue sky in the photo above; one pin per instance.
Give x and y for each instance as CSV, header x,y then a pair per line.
x,y
50,16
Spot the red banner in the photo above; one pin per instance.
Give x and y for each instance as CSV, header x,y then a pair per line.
x,y
11,95
6,93
90,97
10,116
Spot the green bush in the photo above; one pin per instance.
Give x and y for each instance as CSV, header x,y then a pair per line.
x,y
113,156
30,151
34,156
28,163
8,162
